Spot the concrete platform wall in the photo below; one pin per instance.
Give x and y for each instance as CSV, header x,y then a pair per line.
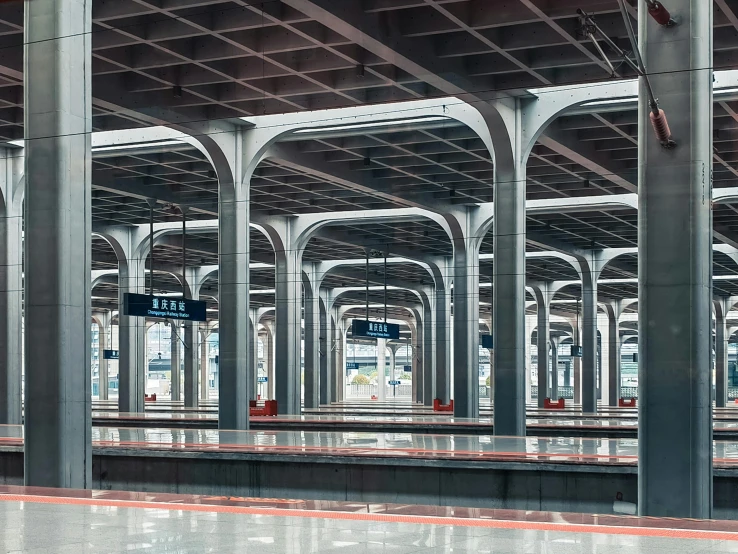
x,y
508,486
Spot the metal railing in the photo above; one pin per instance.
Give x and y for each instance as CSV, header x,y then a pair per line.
x,y
367,391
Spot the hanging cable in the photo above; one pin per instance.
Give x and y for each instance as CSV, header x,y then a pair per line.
x,y
657,117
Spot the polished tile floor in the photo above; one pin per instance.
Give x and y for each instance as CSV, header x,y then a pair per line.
x,y
58,527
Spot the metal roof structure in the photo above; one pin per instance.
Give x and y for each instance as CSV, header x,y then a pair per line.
x,y
198,60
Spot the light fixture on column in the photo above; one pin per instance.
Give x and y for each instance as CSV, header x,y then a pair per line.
x,y
177,91
659,13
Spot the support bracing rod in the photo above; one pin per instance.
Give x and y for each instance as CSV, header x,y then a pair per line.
x,y
657,117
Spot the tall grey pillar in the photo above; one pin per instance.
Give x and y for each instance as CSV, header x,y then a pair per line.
x,y
466,327
177,336
429,354
613,355
508,307
381,369
721,353
442,343
339,366
270,360
330,355
58,124
544,331
233,298
288,330
103,374
11,295
190,352
324,354
589,343
312,346
204,374
253,355
393,360
555,367
131,335
674,268
204,363
417,362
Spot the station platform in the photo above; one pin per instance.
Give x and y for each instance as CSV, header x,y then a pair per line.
x,y
563,474
403,417
60,521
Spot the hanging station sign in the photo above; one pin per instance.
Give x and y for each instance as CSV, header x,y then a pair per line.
x,y
111,355
374,329
352,365
407,368
144,305
486,341
576,351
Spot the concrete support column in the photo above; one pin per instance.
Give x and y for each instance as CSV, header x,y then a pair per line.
x,y
613,354
381,369
176,340
190,352
577,362
233,283
270,365
269,362
466,327
103,323
288,330
331,355
555,367
442,343
324,330
131,333
509,297
543,332
721,353
674,268
57,75
393,360
205,360
11,292
589,342
417,362
530,322
429,353
204,373
312,346
339,366
253,354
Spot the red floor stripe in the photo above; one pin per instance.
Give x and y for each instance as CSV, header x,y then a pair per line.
x,y
384,518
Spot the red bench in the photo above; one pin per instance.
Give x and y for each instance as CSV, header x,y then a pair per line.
x,y
629,403
150,398
438,407
268,409
560,404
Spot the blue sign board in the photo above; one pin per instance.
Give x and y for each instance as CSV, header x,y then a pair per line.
x,y
487,341
144,305
393,383
111,355
352,365
374,329
262,379
576,351
407,368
